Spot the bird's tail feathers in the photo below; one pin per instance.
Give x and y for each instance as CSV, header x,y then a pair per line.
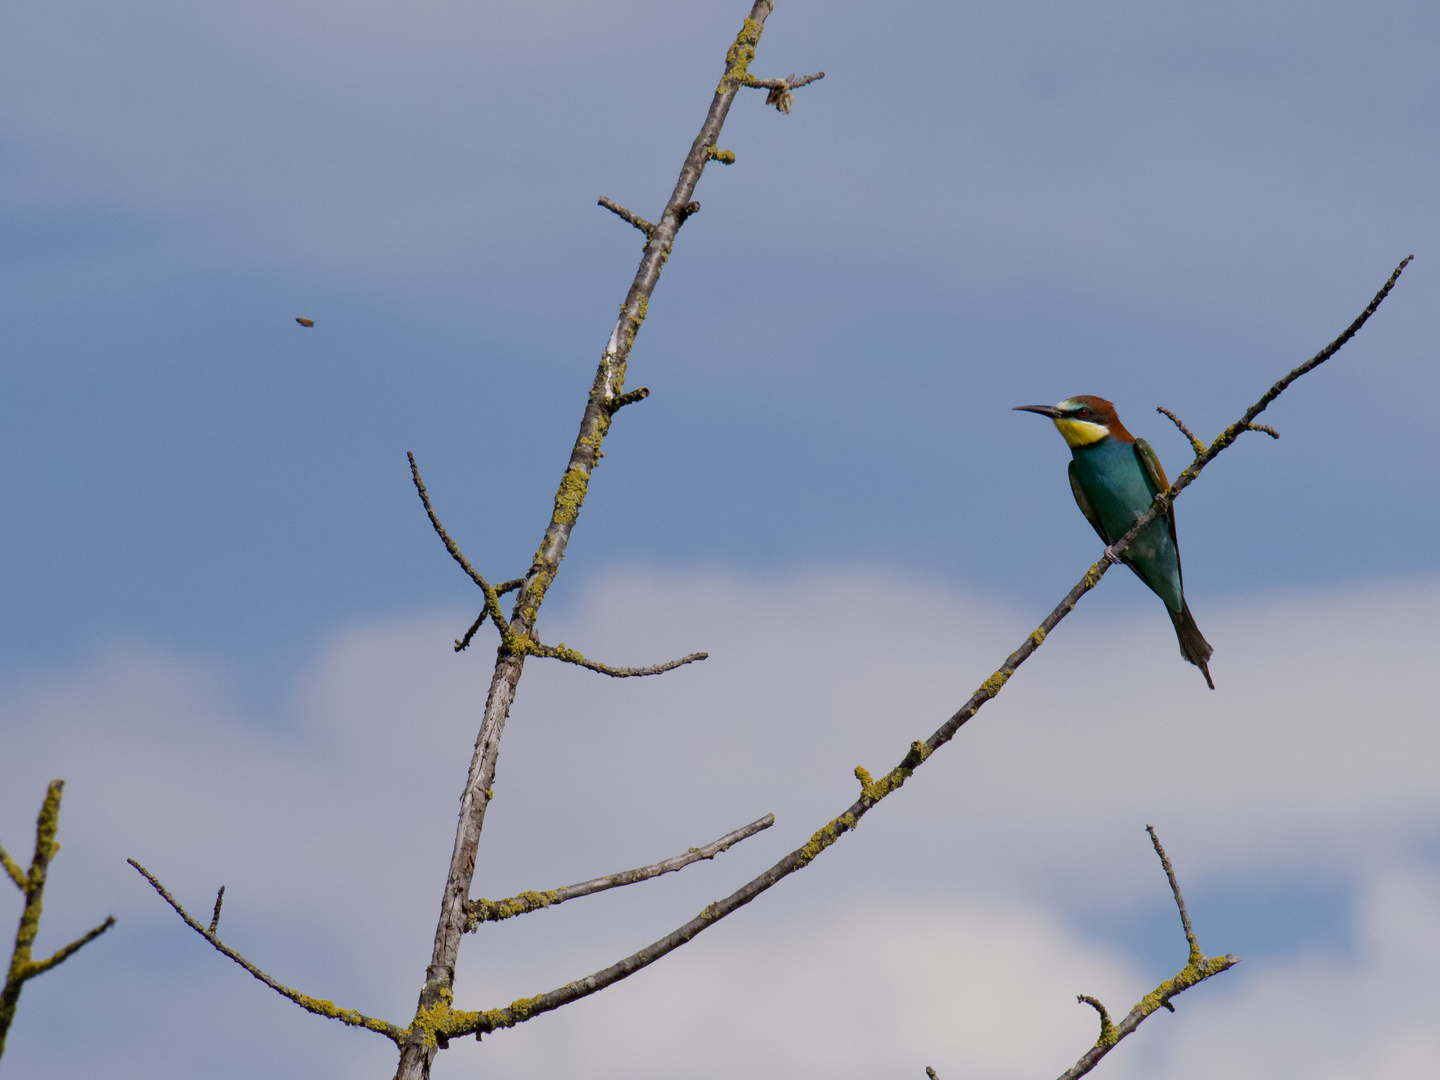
x,y
1193,645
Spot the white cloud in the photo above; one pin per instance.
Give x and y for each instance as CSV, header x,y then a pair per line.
x,y
943,932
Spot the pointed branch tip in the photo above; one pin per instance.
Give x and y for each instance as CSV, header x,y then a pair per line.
x,y
219,899
628,215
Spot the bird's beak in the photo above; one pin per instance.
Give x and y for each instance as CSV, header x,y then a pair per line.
x,y
1044,410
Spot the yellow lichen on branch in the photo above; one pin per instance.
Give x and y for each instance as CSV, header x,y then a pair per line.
x,y
738,57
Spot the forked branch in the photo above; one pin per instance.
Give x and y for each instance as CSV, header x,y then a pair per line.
x,y
482,910
23,965
317,1006
873,791
492,595
1198,967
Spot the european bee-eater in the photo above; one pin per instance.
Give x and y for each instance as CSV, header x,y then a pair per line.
x,y
1115,478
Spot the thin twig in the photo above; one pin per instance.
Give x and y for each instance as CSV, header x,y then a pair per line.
x,y
568,655
1107,1028
492,597
315,1005
1195,444
780,89
17,875
872,791
1266,428
629,215
792,83
494,910
1175,891
1198,967
462,643
931,1073
215,919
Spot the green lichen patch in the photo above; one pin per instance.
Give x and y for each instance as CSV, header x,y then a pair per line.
x,y
991,686
571,496
739,55
826,836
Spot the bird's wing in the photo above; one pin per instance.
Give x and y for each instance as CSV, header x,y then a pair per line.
x,y
1082,501
1155,474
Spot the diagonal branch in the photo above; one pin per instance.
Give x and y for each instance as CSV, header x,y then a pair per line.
x,y
1195,444
17,875
1197,969
494,910
872,791
59,956
629,215
317,1006
492,596
1175,892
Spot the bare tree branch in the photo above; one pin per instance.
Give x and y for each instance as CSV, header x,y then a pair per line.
x,y
872,791
462,643
512,641
568,655
1195,444
780,95
629,215
1198,967
482,910
931,1073
492,597
23,965
317,1006
434,1012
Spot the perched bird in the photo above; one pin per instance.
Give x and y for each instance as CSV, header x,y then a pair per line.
x,y
1115,478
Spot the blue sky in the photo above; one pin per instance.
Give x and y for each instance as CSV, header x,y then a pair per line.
x,y
982,205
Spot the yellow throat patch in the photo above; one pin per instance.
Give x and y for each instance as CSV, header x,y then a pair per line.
x,y
1080,432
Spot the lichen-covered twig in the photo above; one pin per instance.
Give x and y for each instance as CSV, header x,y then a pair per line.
x,y
317,1006
629,215
23,965
462,643
780,95
873,791
629,397
931,1073
1198,967
482,910
512,641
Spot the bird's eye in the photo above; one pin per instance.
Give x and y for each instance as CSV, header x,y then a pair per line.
x,y
1083,413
